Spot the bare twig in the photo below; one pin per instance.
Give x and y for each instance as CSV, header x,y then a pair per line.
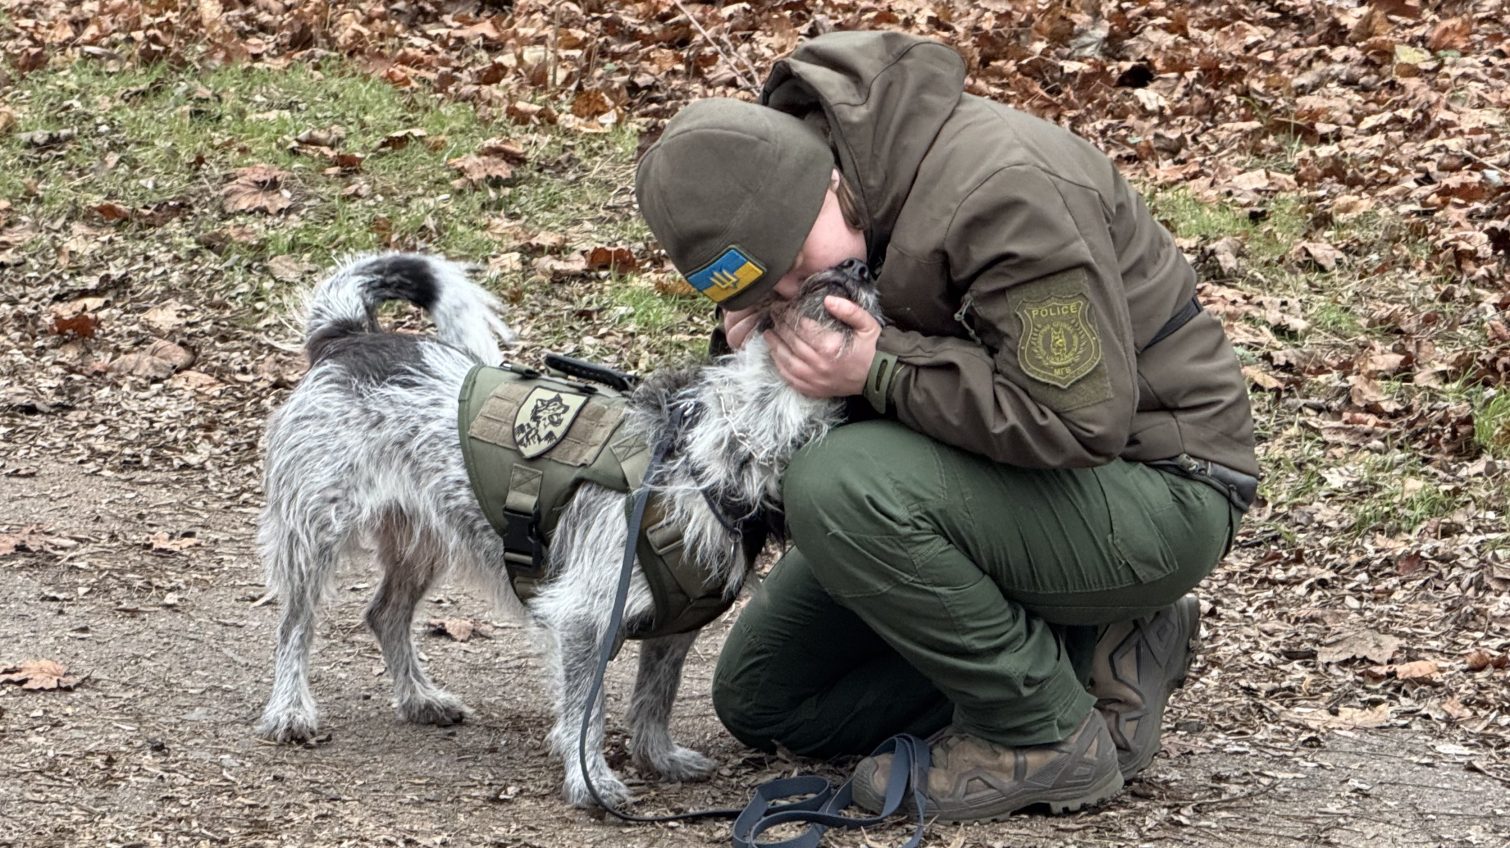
x,y
746,82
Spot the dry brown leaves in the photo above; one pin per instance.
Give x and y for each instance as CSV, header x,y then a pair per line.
x,y
31,540
1394,102
492,164
459,629
259,188
158,361
37,675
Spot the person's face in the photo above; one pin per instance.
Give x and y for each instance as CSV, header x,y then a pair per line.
x,y
831,241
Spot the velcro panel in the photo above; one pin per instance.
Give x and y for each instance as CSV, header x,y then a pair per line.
x,y
582,443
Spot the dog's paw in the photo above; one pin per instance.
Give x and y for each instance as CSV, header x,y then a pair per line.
x,y
678,763
289,725
610,789
439,708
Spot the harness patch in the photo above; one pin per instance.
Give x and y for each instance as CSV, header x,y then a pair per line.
x,y
1059,344
731,273
543,419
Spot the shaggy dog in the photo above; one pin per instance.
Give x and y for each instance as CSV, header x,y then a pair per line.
x,y
366,453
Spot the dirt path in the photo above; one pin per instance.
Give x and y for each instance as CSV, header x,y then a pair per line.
x,y
155,746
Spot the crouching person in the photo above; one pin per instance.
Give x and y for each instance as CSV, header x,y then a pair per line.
x,y
1051,444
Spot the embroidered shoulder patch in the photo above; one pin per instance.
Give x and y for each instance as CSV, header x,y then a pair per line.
x,y
731,273
543,419
1059,344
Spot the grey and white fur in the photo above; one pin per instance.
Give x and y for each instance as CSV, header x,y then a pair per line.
x,y
365,454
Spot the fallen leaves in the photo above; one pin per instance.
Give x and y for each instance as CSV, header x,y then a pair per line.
x,y
1421,670
324,143
401,139
258,188
1345,718
31,540
619,260
290,269
43,139
39,675
1479,659
492,164
167,317
458,629
1362,644
1317,254
77,318
159,361
164,544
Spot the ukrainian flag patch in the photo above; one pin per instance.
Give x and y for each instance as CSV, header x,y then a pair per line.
x,y
731,273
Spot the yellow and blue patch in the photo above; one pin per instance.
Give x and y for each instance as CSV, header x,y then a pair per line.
x,y
731,273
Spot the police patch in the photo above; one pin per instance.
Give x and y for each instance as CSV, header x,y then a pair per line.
x,y
543,419
731,273
1059,344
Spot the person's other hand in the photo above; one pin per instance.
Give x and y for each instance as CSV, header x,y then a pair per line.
x,y
815,359
739,324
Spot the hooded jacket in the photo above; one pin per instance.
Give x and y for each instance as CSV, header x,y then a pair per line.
x,y
1021,276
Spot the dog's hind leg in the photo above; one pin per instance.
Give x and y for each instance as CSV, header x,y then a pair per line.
x,y
299,574
650,711
411,559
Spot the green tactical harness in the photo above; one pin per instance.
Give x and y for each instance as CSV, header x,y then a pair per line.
x,y
529,440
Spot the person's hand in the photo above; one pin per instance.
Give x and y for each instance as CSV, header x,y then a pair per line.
x,y
738,325
815,360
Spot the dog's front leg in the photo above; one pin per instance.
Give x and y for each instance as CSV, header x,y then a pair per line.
x,y
577,643
650,712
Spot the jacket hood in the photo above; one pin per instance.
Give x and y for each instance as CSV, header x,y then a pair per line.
x,y
882,97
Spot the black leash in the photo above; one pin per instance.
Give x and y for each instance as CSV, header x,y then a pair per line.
x,y
610,636
823,809
909,771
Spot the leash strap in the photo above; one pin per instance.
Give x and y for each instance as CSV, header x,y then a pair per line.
x,y
824,809
610,639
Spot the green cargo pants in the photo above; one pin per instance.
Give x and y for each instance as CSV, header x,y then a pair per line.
x,y
928,586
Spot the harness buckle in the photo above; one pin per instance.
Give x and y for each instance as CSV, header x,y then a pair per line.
x,y
524,550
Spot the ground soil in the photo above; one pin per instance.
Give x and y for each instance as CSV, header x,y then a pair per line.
x,y
155,746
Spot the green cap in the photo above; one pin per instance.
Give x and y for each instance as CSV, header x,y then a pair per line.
x,y
731,190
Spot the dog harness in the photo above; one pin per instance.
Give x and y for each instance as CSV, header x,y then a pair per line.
x,y
529,439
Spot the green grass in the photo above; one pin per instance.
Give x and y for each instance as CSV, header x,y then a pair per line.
x,y
1399,494
150,135
1336,319
643,309
1187,217
1269,237
1491,422
179,136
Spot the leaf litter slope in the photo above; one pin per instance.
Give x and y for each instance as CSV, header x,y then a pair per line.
x,y
1336,170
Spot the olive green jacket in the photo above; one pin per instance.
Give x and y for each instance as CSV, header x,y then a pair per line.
x,y
1021,274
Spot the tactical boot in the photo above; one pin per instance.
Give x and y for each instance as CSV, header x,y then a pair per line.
x,y
1135,666
974,780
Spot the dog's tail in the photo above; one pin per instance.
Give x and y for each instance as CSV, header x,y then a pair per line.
x,y
465,315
